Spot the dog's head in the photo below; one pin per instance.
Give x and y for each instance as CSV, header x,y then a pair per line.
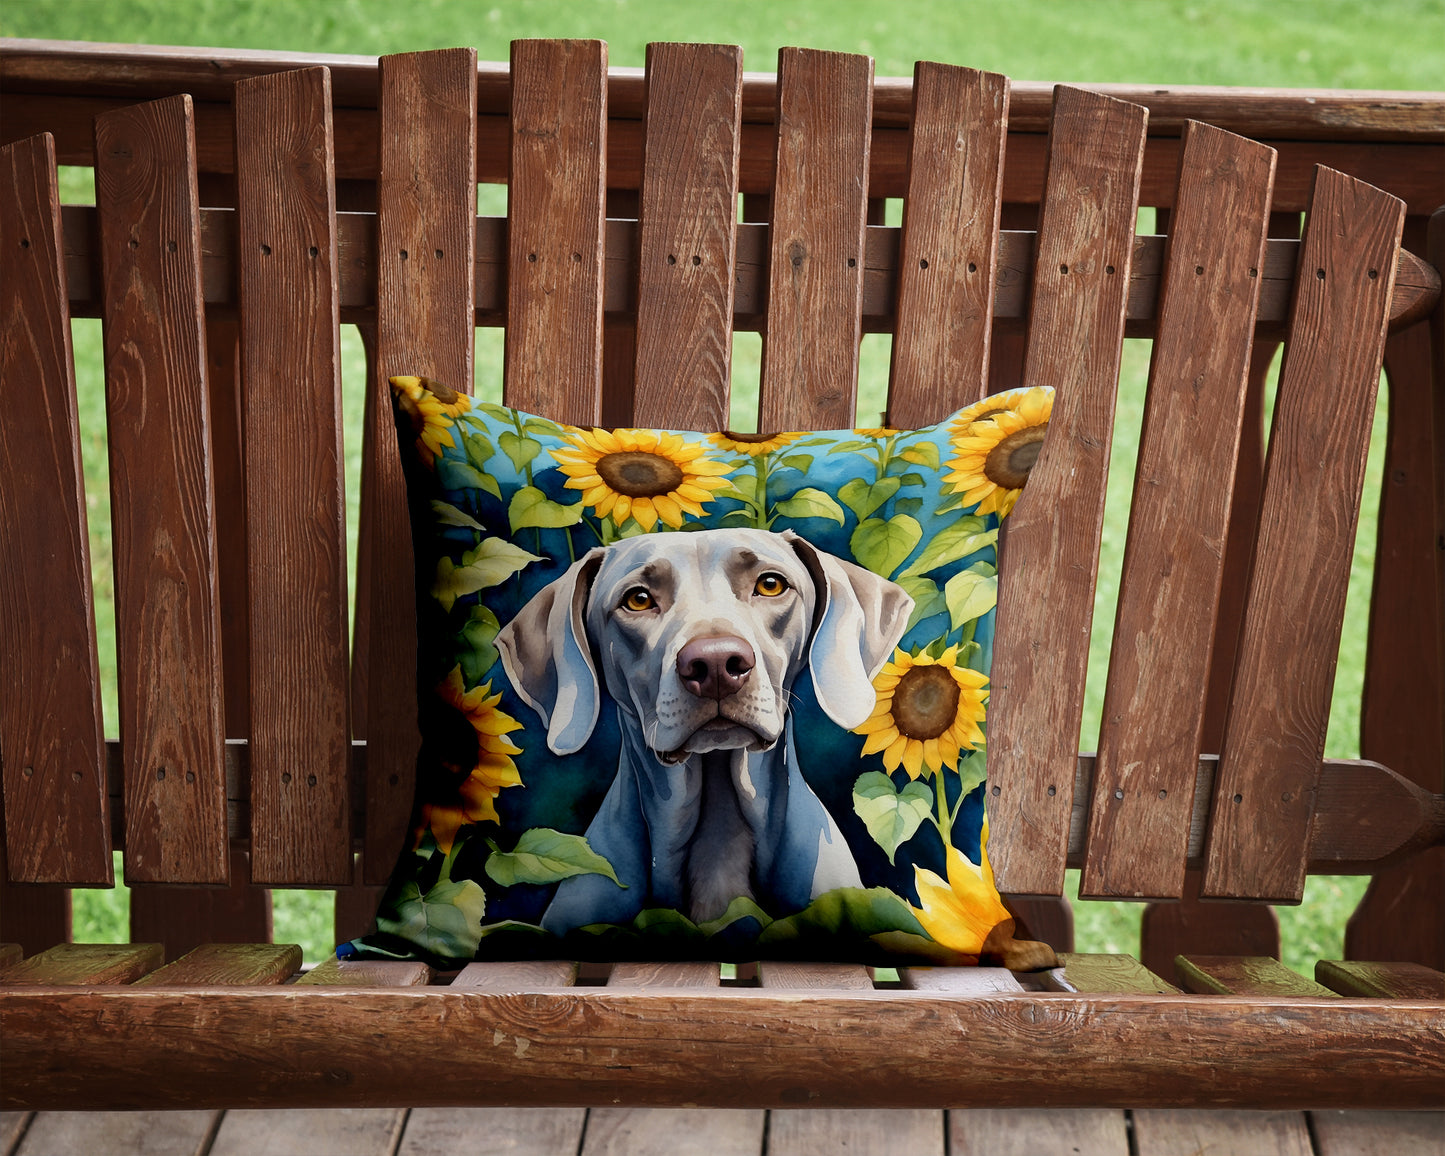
x,y
699,638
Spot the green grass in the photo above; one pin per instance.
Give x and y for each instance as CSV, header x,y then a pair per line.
x,y
1316,43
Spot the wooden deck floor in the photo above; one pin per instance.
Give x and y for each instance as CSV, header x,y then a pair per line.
x,y
699,1132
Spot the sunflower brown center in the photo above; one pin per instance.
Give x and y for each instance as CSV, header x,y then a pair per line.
x,y
751,439
1008,463
925,702
639,474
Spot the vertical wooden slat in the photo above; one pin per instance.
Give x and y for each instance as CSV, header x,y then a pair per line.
x,y
34,915
1274,738
1153,714
815,263
1051,550
286,220
57,823
183,918
168,634
555,208
946,269
426,223
687,235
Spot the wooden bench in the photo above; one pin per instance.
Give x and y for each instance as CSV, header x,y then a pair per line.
x,y
248,203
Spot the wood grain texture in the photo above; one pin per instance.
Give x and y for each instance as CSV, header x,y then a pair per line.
x,y
168,633
1190,925
687,236
291,1046
228,963
674,1132
1051,547
70,964
555,207
814,976
517,975
1242,975
1032,1131
471,1131
184,917
1340,1133
875,1132
959,980
34,915
120,1133
949,247
57,825
300,740
426,227
1170,1132
669,975
12,1127
816,256
1399,916
333,1132
1153,716
1088,972
1275,734
335,972
1385,980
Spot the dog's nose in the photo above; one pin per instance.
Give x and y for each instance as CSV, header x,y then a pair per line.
x,y
715,666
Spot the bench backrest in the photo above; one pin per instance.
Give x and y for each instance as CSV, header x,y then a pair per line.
x,y
242,697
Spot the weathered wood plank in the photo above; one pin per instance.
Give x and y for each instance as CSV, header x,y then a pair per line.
x,y
1153,715
324,1132
517,975
120,1133
814,976
642,975
335,972
183,917
674,1132
426,224
228,963
1088,972
1385,980
1243,975
1341,1133
471,1131
85,963
300,741
867,1132
57,823
1081,275
947,265
687,236
12,1127
1031,1131
555,207
1275,733
959,980
168,631
34,915
816,259
1172,1131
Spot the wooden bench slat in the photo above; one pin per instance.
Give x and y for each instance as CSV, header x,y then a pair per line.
x,y
633,975
228,963
516,1131
1172,1131
1050,547
918,1131
1242,975
426,252
783,974
687,236
83,964
10,953
300,820
556,207
947,265
1153,714
34,915
959,980
1098,972
517,975
816,259
335,972
1029,1131
674,1132
1356,1133
1385,980
168,641
184,917
57,827
1275,733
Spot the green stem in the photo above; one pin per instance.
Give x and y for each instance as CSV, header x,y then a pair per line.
x,y
945,818
760,470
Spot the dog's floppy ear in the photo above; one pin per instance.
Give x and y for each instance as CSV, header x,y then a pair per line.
x,y
545,654
860,618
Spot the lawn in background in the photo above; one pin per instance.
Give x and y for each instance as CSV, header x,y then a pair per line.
x,y
1390,44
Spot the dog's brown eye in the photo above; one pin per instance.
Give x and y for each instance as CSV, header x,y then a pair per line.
x,y
638,598
770,585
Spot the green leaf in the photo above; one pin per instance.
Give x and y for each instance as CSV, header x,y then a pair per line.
x,y
953,502
479,450
971,772
891,816
449,515
742,486
475,643
492,562
455,475
970,595
927,598
531,507
520,449
964,537
907,505
740,908
802,462
541,426
921,454
810,503
848,447
911,479
543,855
446,921
881,546
863,497
493,410
845,912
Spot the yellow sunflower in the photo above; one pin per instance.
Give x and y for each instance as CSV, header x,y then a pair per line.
x,y
752,444
876,432
928,710
997,452
643,474
961,911
433,409
490,755
1031,402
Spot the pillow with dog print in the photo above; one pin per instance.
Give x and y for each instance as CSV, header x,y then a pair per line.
x,y
703,696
